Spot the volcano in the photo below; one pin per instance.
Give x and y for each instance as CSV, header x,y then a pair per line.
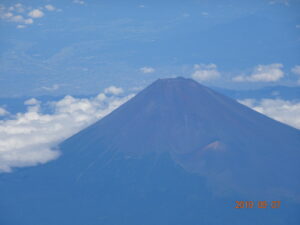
x,y
176,153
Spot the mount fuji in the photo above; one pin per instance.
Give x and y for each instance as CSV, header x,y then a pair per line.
x,y
176,153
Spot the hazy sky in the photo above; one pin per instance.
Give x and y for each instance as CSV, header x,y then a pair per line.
x,y
82,46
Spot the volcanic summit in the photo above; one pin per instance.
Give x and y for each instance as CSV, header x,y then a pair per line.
x,y
176,153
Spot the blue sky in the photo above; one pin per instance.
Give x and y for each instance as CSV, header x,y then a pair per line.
x,y
56,47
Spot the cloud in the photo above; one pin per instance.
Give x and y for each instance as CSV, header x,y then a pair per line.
x,y
10,17
147,69
32,101
50,7
113,90
79,2
285,2
54,87
205,72
36,13
287,112
296,70
23,15
3,112
17,8
29,138
263,73
21,26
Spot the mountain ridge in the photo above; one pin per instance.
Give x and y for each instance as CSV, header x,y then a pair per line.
x,y
176,153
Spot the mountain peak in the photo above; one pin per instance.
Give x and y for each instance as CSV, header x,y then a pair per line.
x,y
178,81
176,142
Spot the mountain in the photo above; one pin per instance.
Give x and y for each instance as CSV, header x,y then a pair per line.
x,y
176,153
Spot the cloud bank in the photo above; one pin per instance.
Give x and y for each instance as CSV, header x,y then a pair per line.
x,y
287,112
263,73
28,138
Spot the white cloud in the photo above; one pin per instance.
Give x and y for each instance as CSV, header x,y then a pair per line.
x,y
50,7
31,101
36,13
54,87
79,2
21,26
147,69
21,14
296,70
3,112
263,73
7,15
19,8
28,138
17,19
113,90
205,72
28,21
287,112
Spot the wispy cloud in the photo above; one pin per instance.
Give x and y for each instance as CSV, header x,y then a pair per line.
x,y
147,69
263,73
296,70
287,112
27,139
284,2
81,2
205,72
50,7
54,87
3,111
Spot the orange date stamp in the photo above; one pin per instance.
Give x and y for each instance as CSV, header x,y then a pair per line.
x,y
258,204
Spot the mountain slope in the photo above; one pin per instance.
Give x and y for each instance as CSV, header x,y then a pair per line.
x,y
177,153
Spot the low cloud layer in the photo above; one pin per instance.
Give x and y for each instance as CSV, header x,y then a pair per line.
x,y
263,73
287,112
28,138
